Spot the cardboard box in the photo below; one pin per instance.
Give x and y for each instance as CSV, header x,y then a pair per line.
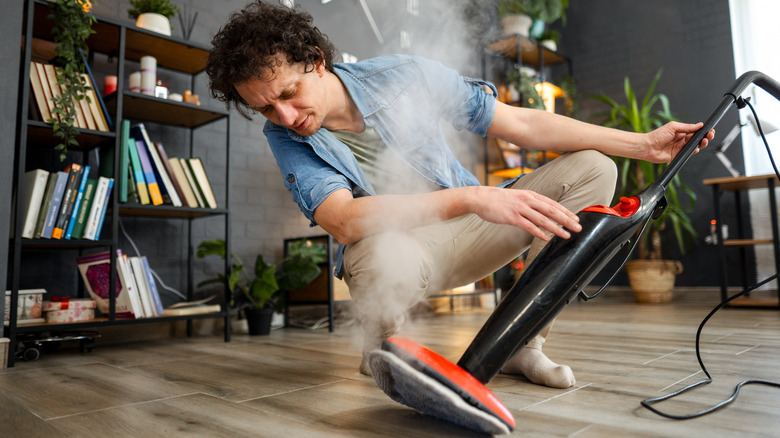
x,y
77,310
28,308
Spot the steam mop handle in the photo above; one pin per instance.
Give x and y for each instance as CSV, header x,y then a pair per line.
x,y
752,77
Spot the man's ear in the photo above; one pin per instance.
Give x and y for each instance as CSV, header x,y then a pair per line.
x,y
320,66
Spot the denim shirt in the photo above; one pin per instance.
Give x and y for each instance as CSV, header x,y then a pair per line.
x,y
403,98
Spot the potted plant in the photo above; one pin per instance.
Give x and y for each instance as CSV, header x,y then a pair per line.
x,y
651,277
72,26
530,17
153,15
258,295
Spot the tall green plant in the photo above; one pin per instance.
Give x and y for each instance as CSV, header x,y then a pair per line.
x,y
634,175
72,27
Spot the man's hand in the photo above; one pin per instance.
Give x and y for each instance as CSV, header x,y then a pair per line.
x,y
535,213
667,141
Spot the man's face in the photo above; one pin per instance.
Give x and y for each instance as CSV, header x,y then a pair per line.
x,y
289,97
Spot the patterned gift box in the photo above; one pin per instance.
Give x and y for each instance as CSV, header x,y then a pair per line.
x,y
68,310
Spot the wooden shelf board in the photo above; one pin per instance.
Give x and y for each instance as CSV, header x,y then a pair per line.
x,y
529,51
167,211
746,242
63,243
139,106
40,134
741,182
104,321
755,302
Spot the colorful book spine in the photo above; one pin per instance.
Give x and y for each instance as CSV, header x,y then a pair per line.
x,y
68,199
45,204
97,206
56,201
138,171
104,209
152,286
84,209
79,196
151,181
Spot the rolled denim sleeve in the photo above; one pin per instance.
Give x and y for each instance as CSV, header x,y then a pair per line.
x,y
463,101
306,176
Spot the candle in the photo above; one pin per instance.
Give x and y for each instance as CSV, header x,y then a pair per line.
x,y
109,85
148,74
135,82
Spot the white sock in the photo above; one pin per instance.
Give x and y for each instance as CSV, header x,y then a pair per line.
x,y
539,369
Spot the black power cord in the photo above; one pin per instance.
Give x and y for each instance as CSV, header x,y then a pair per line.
x,y
647,403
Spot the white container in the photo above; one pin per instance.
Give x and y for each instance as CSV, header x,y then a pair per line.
x,y
135,82
154,22
28,308
148,74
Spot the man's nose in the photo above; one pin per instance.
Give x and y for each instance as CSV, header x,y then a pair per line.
x,y
287,115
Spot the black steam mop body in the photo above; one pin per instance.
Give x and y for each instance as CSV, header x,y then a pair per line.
x,y
552,280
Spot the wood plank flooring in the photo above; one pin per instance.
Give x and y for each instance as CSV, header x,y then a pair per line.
x,y
304,383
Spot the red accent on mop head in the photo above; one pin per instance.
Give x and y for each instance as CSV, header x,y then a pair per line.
x,y
454,377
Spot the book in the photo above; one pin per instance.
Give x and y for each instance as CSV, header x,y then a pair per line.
x,y
160,173
151,182
174,182
158,307
68,199
193,184
199,174
89,119
77,203
129,280
94,108
143,288
54,208
96,92
34,188
95,271
104,209
84,209
38,93
184,183
51,78
193,310
132,192
124,145
45,88
138,171
97,207
51,183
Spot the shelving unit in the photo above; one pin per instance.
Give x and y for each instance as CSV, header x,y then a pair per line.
x,y
122,42
520,51
737,185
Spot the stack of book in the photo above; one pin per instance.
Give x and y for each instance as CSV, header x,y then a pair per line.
x,y
136,292
154,178
65,204
90,112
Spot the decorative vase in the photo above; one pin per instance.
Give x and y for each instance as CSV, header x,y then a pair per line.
x,y
536,29
259,321
516,25
154,22
652,281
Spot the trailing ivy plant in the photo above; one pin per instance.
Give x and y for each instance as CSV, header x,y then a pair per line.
x,y
72,27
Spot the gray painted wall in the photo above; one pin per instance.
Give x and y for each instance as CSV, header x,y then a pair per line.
x,y
606,40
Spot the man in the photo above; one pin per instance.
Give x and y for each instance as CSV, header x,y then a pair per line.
x,y
360,149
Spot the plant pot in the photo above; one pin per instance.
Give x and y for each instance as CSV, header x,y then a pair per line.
x,y
516,24
154,22
259,321
652,281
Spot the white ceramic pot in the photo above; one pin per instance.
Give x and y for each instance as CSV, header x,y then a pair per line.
x,y
550,44
154,22
516,24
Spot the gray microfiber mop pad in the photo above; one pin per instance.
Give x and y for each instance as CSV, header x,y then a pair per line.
x,y
410,387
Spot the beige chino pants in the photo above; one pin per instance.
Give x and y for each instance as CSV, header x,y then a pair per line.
x,y
389,273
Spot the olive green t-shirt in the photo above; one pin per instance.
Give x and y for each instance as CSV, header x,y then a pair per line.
x,y
387,172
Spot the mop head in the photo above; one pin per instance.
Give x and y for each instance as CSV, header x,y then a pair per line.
x,y
421,379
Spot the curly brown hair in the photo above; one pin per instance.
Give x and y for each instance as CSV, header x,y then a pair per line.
x,y
250,42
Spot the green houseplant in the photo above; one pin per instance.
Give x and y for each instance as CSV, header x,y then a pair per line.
x,y
541,13
634,175
257,293
72,26
153,15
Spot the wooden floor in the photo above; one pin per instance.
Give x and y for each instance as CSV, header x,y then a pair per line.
x,y
303,383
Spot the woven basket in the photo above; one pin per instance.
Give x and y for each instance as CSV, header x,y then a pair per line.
x,y
653,280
